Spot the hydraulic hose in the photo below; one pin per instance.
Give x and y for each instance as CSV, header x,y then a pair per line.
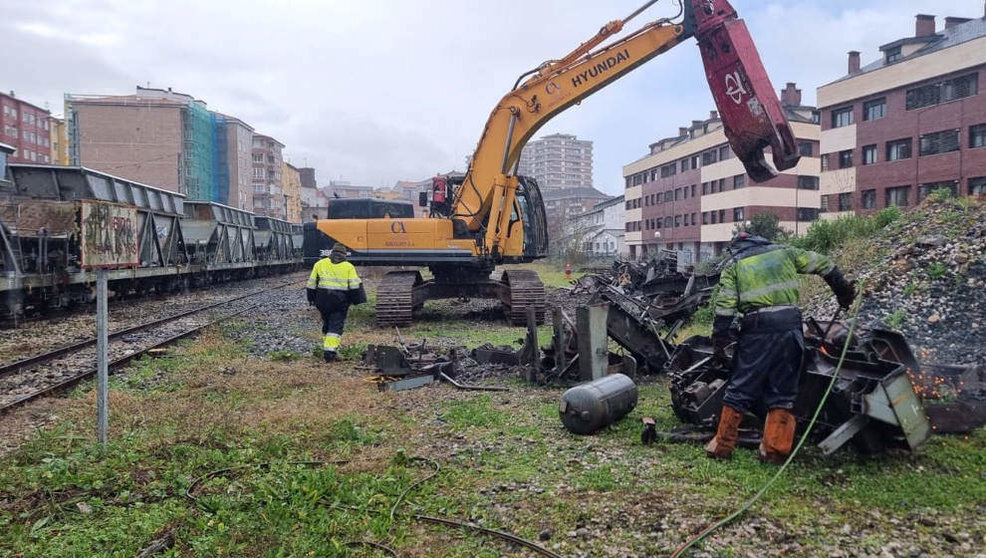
x,y
804,437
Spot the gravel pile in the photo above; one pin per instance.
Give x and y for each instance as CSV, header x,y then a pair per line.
x,y
929,282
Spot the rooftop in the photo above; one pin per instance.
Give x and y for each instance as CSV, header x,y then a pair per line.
x,y
940,40
568,193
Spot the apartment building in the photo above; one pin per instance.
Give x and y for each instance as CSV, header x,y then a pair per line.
x,y
558,161
268,195
691,192
164,138
291,186
600,231
58,139
559,205
908,123
26,128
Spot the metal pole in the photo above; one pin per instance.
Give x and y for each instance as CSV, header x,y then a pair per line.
x,y
102,360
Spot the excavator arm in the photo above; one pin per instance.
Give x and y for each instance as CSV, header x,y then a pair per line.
x,y
751,113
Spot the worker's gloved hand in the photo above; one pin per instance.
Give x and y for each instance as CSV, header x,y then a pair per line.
x,y
844,291
310,293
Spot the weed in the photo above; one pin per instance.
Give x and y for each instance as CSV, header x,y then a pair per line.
x,y
936,270
910,289
896,319
478,412
825,236
285,356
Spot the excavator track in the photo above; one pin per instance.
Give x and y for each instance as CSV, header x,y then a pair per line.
x,y
395,298
525,290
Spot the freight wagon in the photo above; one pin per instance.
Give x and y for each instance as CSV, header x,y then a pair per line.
x,y
58,224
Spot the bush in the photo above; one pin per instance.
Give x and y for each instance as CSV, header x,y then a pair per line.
x,y
826,236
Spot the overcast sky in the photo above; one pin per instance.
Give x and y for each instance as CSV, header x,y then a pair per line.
x,y
376,91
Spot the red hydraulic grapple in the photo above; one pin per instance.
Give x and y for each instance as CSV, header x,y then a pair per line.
x,y
751,114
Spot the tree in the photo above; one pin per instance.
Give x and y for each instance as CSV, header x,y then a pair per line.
x,y
765,224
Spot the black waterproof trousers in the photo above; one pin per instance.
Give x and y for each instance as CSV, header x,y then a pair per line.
x,y
768,361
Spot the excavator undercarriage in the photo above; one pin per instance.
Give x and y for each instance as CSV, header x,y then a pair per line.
x,y
400,293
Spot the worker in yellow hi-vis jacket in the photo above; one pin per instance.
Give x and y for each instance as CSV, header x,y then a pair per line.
x,y
332,287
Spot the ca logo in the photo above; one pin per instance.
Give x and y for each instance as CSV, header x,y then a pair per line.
x,y
397,227
734,87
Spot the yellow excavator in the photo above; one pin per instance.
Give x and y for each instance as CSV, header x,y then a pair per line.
x,y
491,216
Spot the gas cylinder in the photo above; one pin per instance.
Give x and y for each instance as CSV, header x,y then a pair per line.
x,y
588,407
568,271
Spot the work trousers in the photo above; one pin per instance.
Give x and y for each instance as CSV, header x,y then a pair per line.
x,y
767,362
333,322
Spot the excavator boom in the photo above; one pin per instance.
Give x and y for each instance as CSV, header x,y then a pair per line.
x,y
492,216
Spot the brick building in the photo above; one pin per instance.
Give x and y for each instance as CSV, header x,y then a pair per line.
x,y
558,161
911,122
239,157
690,193
268,197
164,138
26,128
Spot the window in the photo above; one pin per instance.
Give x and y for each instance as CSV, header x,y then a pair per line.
x,y
684,165
977,186
677,221
258,173
724,153
869,154
669,170
722,215
805,149
722,184
939,142
875,109
695,162
628,181
845,159
826,164
807,214
693,190
924,190
899,149
705,188
694,221
824,203
845,201
868,199
684,192
739,181
668,196
977,135
842,117
258,158
705,218
942,92
737,214
892,54
898,196
808,182
709,157
714,216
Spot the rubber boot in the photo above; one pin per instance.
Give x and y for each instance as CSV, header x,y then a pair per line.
x,y
778,436
722,446
329,356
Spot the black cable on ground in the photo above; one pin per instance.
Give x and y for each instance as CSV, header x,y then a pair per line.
x,y
804,437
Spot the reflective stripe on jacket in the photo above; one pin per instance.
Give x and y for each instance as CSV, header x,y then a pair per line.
x,y
767,278
333,276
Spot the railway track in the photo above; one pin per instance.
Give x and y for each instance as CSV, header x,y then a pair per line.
x,y
58,369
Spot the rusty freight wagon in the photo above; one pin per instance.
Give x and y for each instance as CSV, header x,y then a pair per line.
x,y
57,224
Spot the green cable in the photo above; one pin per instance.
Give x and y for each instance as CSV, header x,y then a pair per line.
x,y
804,437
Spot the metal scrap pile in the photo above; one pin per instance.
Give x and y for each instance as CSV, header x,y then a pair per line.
x,y
648,302
873,403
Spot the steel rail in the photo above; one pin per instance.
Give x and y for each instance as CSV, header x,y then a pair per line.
x,y
123,360
74,347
